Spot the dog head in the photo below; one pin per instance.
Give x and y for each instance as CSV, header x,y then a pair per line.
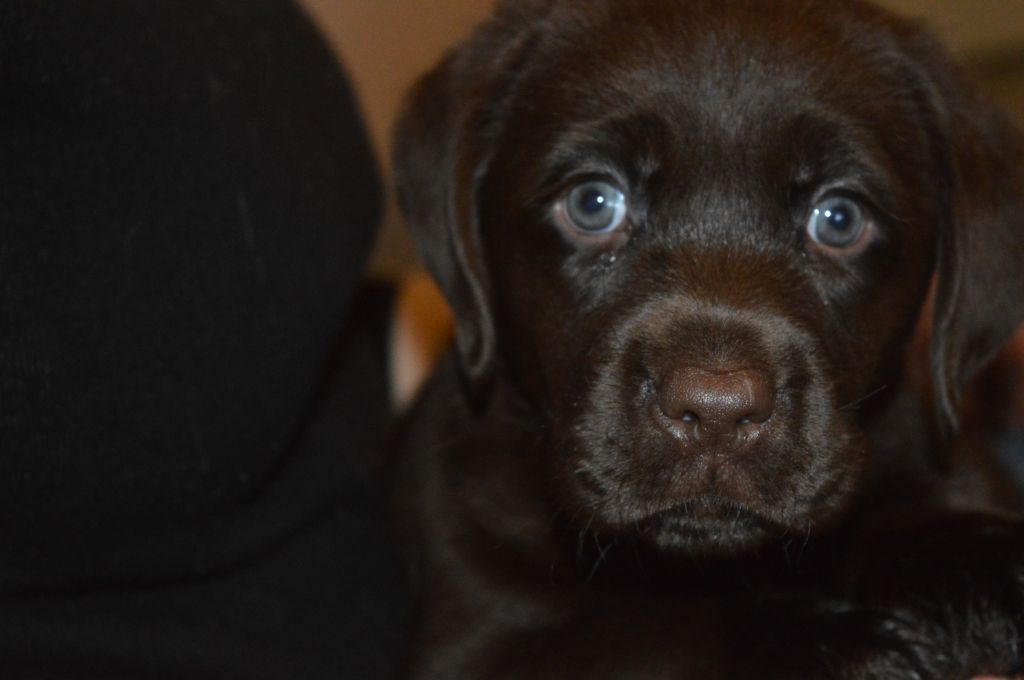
x,y
696,234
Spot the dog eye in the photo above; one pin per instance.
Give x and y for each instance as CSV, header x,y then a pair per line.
x,y
837,222
595,207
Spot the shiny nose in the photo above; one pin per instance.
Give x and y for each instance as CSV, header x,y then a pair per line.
x,y
702,403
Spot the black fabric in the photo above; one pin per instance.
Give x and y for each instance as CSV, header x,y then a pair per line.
x,y
186,204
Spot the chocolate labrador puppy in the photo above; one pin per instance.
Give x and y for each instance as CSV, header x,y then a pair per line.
x,y
687,243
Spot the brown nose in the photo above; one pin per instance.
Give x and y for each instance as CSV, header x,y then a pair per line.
x,y
709,403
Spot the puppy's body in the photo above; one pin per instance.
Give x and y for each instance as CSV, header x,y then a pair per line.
x,y
686,244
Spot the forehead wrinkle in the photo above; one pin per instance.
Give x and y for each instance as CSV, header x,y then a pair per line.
x,y
630,144
713,79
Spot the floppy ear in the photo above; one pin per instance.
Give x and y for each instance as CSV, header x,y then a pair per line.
x,y
442,143
979,295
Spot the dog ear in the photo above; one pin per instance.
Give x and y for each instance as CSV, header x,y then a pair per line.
x,y
979,291
440,153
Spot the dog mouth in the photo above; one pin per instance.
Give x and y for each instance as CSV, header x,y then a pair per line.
x,y
676,500
709,524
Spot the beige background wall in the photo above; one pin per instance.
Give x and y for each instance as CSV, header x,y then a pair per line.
x,y
387,43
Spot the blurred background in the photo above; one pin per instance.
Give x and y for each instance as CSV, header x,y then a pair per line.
x,y
387,44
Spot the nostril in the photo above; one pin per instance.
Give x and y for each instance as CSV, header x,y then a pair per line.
x,y
761,397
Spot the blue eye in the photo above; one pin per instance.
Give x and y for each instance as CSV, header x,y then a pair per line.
x,y
836,222
595,207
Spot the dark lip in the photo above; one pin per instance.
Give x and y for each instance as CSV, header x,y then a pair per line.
x,y
702,518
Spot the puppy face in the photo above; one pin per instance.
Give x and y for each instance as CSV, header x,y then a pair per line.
x,y
697,236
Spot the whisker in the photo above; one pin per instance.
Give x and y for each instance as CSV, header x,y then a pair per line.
x,y
581,540
602,553
864,398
